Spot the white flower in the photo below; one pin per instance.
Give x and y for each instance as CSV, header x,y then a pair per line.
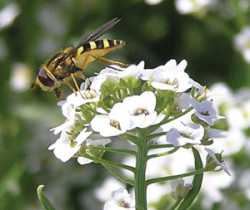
x,y
64,149
231,143
236,112
191,6
156,191
20,77
182,131
110,73
104,192
141,110
131,113
242,43
77,99
170,76
184,101
221,94
214,183
8,14
244,182
206,112
153,2
121,200
185,134
94,140
63,127
115,123
180,189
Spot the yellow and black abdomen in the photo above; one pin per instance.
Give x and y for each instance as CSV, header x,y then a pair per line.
x,y
90,51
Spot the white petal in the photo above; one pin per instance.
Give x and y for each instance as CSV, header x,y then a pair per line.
x,y
82,136
83,160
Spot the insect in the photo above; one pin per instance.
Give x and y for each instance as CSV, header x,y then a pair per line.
x,y
69,64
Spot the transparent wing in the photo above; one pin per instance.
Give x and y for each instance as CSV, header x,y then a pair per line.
x,y
92,36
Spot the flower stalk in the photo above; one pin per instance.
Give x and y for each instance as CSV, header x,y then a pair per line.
x,y
140,174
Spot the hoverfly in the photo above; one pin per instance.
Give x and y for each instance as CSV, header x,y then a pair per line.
x,y
70,63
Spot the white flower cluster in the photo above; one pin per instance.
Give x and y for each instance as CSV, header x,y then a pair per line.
x,y
118,101
192,6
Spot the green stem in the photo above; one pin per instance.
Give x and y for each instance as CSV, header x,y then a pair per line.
x,y
167,178
176,204
110,163
163,153
159,146
140,174
155,135
115,150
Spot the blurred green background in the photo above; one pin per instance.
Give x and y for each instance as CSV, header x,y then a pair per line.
x,y
37,29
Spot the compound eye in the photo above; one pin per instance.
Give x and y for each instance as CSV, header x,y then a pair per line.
x,y
44,79
41,72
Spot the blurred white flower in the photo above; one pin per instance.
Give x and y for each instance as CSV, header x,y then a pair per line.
x,y
215,160
192,6
221,94
121,200
64,149
8,14
153,2
180,189
236,112
244,182
212,189
170,76
206,112
242,43
20,79
104,192
156,191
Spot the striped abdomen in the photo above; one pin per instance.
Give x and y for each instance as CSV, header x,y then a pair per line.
x,y
99,45
89,52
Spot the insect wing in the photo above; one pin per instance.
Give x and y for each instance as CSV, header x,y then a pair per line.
x,y
100,31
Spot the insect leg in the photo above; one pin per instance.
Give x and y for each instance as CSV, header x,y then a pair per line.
x,y
71,87
76,85
111,62
58,93
75,82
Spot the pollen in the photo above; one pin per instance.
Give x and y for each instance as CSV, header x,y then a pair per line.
x,y
141,111
115,124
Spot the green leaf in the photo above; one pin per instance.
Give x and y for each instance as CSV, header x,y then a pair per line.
x,y
43,199
197,182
